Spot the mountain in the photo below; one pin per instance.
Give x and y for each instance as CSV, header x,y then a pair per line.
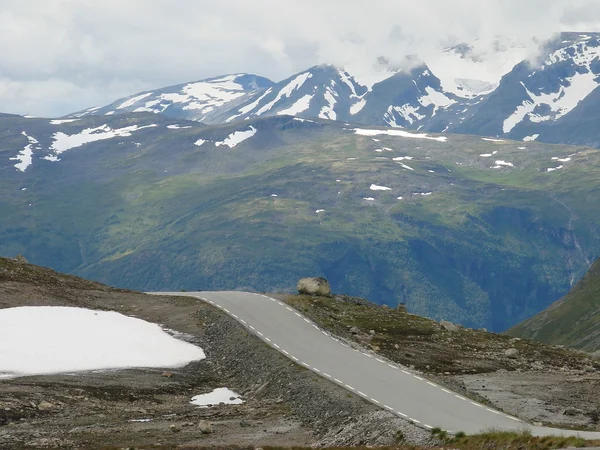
x,y
468,88
483,232
203,101
547,99
574,320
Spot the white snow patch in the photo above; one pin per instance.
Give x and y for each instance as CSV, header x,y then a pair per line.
x,y
369,199
178,127
400,133
533,137
304,120
255,103
286,91
493,140
237,137
522,148
319,211
273,195
200,142
398,198
351,159
110,113
37,340
375,187
219,395
405,166
63,142
552,169
300,106
435,98
408,112
25,156
51,158
357,107
327,111
424,194
61,121
402,158
485,155
501,163
431,171
556,158
133,100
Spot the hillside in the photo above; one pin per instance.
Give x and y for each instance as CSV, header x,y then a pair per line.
x,y
481,232
574,320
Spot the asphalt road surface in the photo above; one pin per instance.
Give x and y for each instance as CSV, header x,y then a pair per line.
x,y
384,383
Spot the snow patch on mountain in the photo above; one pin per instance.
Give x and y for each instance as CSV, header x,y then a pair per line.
x,y
37,340
399,133
327,112
375,187
62,121
286,92
25,156
63,142
132,101
299,106
237,137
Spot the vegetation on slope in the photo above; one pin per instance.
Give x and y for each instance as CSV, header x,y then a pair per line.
x,y
574,320
486,248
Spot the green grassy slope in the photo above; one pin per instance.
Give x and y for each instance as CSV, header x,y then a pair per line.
x,y
574,320
487,248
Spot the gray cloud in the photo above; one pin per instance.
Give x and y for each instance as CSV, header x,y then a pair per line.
x,y
58,56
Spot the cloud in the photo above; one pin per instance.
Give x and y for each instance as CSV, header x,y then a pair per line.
x,y
64,55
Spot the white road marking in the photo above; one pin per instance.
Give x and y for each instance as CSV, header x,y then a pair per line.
x,y
326,375
415,420
295,359
306,320
514,418
406,372
427,426
252,328
366,354
276,346
374,401
289,309
432,384
267,339
336,340
447,391
349,387
460,396
380,360
401,414
476,404
226,310
259,333
304,364
243,321
418,377
285,351
493,411
298,314
211,302
234,316
314,326
316,370
361,393
338,381
389,408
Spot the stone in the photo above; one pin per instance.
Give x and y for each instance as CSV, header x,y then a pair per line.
x,y
45,406
448,326
205,427
20,259
372,332
314,286
244,424
572,412
354,330
174,428
511,353
396,346
401,307
596,355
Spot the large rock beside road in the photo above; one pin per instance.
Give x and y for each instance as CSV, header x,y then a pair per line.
x,y
314,286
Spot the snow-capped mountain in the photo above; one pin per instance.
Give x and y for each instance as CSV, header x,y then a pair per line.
x,y
203,101
474,89
535,98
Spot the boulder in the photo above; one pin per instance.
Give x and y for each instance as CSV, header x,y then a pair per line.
x,y
354,330
511,353
20,259
596,355
572,412
314,286
45,406
205,427
448,326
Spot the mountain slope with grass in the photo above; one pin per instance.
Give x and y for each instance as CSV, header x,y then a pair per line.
x,y
481,232
574,320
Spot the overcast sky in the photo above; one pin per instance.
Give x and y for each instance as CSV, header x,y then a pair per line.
x,y
59,56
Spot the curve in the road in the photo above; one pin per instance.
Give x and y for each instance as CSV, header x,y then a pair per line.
x,y
381,382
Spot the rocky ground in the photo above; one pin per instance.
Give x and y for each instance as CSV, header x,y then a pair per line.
x,y
540,383
284,404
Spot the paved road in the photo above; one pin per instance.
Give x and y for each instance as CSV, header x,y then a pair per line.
x,y
384,383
